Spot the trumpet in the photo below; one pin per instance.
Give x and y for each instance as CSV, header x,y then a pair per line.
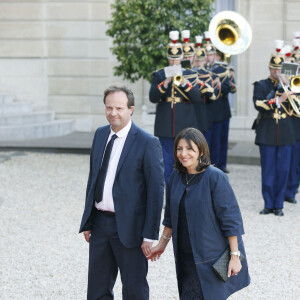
x,y
178,80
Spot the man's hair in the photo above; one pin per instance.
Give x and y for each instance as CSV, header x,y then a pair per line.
x,y
120,88
195,136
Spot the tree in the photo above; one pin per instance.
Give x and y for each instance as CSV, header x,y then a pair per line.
x,y
140,31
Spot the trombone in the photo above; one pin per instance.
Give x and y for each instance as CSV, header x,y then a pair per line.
x,y
294,87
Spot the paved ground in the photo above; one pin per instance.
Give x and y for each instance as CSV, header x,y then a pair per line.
x,y
80,142
43,257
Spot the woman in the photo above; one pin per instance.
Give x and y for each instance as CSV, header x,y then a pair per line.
x,y
203,218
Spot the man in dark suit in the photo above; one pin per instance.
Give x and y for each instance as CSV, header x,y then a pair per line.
x,y
124,200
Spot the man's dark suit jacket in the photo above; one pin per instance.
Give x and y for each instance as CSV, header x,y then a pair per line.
x,y
138,187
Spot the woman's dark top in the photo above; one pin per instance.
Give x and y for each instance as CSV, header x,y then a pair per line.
x,y
188,281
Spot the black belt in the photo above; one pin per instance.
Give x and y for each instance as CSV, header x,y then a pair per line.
x,y
107,213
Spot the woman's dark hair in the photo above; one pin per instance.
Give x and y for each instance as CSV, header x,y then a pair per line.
x,y
195,136
120,88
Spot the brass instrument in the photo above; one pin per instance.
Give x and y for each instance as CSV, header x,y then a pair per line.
x,y
292,98
295,84
230,33
178,80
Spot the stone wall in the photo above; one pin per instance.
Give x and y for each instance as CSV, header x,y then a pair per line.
x,y
269,20
56,55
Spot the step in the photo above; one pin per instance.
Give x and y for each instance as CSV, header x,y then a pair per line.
x,y
36,131
6,98
26,118
15,108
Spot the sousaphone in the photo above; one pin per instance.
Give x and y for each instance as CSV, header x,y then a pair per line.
x,y
230,32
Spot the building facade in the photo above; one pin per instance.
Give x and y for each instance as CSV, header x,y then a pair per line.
x,y
56,55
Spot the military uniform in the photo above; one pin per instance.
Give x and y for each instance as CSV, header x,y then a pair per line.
x,y
208,92
275,137
176,106
220,113
293,179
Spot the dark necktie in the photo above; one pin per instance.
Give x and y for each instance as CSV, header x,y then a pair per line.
x,y
103,170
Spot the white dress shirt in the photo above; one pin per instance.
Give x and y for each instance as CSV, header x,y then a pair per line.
x,y
107,203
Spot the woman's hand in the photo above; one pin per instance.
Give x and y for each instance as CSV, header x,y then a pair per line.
x,y
234,266
156,252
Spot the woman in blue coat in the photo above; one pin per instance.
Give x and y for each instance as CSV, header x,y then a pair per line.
x,y
203,218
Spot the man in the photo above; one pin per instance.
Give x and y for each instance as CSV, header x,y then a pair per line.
x,y
220,58
124,200
274,136
209,91
176,103
220,109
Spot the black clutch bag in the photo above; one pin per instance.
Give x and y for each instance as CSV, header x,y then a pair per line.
x,y
221,265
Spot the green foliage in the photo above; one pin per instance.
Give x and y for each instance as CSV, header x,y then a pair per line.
x,y
140,31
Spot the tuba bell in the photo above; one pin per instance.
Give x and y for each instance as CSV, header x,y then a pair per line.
x,y
230,32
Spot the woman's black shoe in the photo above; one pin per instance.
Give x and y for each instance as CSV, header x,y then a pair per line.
x,y
266,211
279,212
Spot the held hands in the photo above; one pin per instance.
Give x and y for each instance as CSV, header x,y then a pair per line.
x,y
146,247
156,252
234,266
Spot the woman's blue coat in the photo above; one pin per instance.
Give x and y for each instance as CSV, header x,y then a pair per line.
x,y
212,214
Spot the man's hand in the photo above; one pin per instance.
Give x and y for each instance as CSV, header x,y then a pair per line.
x,y
146,247
87,235
167,81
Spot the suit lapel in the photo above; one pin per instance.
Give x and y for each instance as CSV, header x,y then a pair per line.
x,y
128,143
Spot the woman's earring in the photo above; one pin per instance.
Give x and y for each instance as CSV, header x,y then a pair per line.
x,y
200,161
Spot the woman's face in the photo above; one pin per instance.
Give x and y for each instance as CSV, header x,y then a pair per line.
x,y
188,156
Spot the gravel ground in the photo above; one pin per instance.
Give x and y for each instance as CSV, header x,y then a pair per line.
x,y
42,256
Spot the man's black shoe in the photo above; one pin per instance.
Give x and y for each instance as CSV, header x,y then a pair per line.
x,y
225,170
279,212
290,200
266,211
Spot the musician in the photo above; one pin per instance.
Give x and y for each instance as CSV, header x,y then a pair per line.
x,y
219,109
274,136
208,90
188,47
175,103
220,57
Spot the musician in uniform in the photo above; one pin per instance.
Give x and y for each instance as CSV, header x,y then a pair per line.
x,y
220,57
176,103
293,180
219,109
209,89
274,136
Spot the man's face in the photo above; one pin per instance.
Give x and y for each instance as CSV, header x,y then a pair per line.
x,y
200,63
174,62
274,73
117,113
210,58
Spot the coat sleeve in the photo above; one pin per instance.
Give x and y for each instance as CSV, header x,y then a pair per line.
x,y
225,206
154,175
157,89
91,167
262,102
167,217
